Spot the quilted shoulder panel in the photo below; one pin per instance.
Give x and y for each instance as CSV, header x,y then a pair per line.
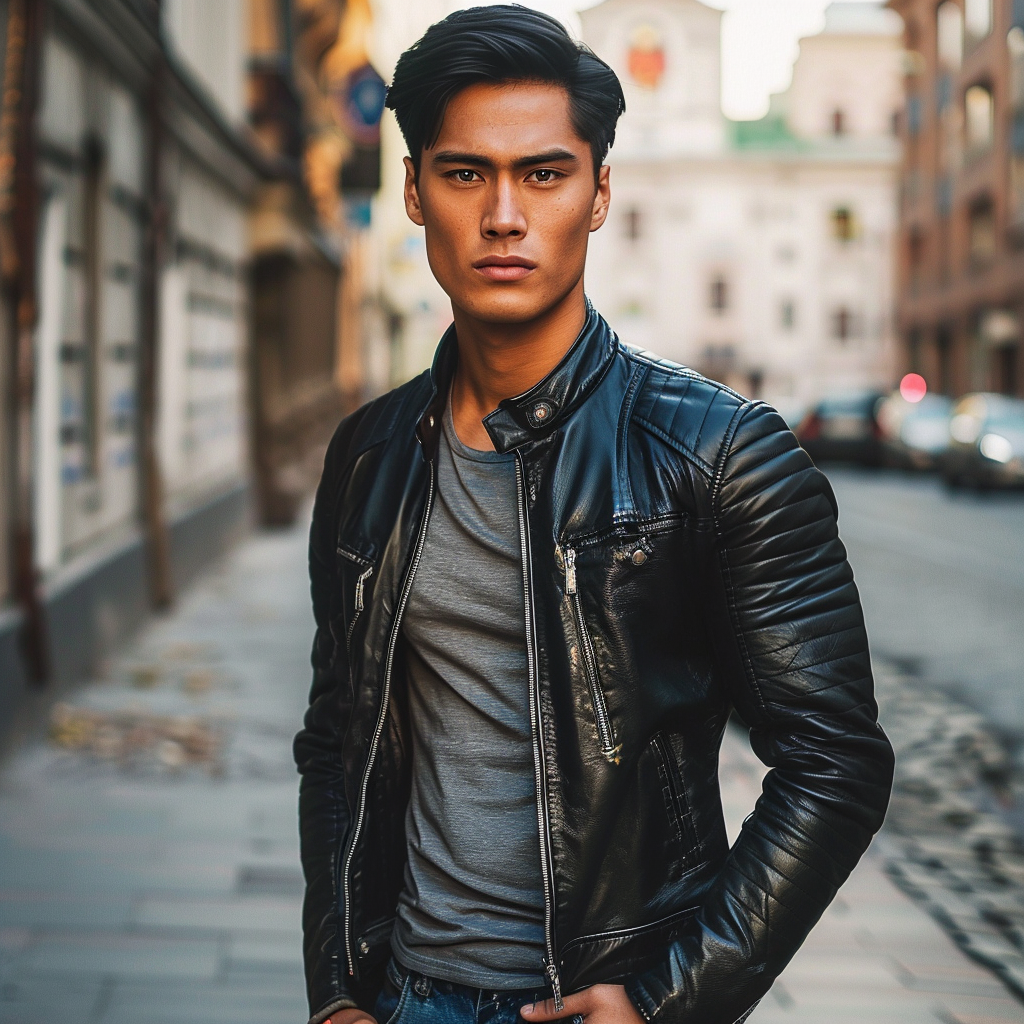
x,y
686,410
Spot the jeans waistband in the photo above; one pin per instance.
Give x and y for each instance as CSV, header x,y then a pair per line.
x,y
424,985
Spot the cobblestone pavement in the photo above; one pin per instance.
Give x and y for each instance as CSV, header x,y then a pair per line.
x,y
148,853
952,845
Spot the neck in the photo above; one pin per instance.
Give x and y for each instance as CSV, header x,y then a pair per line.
x,y
499,361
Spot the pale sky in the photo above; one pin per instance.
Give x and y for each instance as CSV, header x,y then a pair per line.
x,y
759,44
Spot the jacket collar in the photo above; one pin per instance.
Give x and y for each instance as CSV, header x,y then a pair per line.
x,y
535,413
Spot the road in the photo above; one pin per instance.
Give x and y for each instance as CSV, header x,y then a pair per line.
x,y
941,576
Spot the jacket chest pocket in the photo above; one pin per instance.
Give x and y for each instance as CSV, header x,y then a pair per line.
x,y
590,572
610,750
354,573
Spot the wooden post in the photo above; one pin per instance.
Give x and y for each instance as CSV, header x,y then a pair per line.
x,y
161,583
19,218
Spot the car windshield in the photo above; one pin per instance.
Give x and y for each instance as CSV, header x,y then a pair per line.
x,y
848,405
1006,414
931,407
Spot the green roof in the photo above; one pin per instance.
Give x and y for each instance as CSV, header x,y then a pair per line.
x,y
769,133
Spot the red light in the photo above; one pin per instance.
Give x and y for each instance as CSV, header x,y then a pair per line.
x,y
913,387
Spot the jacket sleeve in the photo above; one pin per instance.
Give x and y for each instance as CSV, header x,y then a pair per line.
x,y
323,808
792,649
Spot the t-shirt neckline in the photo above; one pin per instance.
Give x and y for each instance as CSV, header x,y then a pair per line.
x,y
460,448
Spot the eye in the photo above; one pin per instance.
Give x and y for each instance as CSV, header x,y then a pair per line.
x,y
465,175
545,175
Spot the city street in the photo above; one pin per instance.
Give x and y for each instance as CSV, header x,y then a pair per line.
x,y
148,850
941,576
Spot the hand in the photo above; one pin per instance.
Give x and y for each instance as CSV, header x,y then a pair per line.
x,y
351,1016
599,1004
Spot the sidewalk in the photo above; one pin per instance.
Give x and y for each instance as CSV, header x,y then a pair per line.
x,y
148,853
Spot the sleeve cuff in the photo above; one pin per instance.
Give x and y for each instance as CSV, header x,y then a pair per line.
x,y
339,1004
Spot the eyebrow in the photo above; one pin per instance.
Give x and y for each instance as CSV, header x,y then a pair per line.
x,y
448,156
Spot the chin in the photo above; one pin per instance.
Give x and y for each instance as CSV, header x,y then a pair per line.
x,y
507,306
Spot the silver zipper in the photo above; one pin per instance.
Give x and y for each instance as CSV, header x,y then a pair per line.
x,y
392,643
360,584
611,750
543,826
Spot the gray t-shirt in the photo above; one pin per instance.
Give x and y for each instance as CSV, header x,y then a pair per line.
x,y
472,909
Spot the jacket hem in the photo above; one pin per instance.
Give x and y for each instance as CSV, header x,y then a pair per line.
x,y
744,1016
343,1003
641,999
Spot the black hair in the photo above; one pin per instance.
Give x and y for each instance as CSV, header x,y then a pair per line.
x,y
502,43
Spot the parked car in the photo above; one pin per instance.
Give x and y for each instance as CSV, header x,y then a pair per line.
x,y
843,428
915,435
986,442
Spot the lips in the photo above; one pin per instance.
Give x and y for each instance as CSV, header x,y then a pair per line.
x,y
505,268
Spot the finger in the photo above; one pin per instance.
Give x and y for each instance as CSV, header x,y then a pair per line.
x,y
545,1009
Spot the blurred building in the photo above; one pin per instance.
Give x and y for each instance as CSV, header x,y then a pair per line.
x,y
176,258
961,265
758,252
416,312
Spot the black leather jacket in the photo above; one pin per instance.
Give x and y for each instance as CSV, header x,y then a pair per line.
x,y
680,559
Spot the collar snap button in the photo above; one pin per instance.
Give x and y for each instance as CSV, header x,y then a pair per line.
x,y
639,556
541,412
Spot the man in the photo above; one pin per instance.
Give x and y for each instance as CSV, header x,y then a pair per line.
x,y
544,574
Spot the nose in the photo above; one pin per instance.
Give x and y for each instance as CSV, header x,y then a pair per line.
x,y
504,216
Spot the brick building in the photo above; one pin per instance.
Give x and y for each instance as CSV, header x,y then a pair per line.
x,y
961,237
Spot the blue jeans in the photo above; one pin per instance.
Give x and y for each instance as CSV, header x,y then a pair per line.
x,y
412,998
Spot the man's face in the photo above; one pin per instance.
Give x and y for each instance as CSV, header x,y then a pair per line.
x,y
508,199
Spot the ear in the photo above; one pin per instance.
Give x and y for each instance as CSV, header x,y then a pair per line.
x,y
602,198
412,194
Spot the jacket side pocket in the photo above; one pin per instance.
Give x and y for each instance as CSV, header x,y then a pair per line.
x,y
676,804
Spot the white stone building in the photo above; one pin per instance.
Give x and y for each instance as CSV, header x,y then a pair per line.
x,y
758,252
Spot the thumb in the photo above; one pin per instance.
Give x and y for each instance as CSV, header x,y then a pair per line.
x,y
545,1010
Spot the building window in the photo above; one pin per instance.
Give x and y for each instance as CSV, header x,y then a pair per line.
x,y
979,119
951,35
915,255
838,122
844,324
978,18
914,110
844,224
634,224
914,349
982,232
787,314
81,349
943,350
1015,46
1006,369
719,297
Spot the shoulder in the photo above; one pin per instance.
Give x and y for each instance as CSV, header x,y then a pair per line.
x,y
376,422
717,429
686,410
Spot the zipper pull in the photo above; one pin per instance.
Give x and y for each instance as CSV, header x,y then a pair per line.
x,y
570,571
363,577
556,985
